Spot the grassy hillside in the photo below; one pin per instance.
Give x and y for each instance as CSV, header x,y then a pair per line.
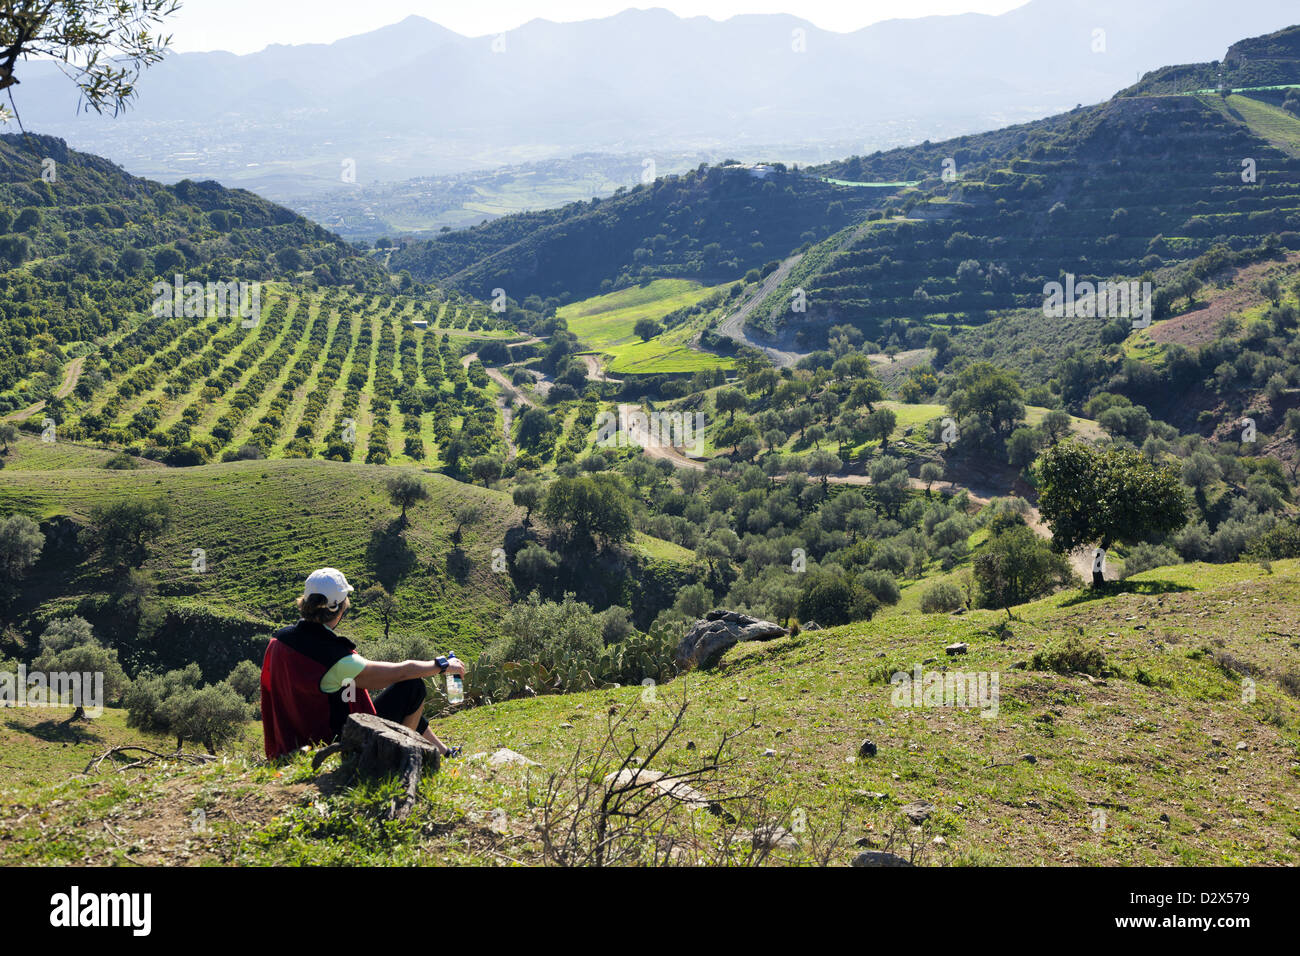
x,y
263,526
710,224
1164,755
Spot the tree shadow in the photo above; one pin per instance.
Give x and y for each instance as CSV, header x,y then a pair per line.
x,y
389,556
459,565
1113,588
58,731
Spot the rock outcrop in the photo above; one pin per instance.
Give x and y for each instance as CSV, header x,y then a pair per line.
x,y
709,639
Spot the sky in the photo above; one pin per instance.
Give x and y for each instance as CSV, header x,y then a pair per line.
x,y
245,26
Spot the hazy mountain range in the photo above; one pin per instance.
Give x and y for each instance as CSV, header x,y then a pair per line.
x,y
416,99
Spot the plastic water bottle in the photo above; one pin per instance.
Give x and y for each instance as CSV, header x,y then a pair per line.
x,y
455,685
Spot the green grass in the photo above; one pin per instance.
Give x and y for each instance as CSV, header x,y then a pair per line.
x,y
1187,769
1279,127
265,524
606,323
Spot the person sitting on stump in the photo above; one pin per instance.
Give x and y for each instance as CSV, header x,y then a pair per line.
x,y
312,677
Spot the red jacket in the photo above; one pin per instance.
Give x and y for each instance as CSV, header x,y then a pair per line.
x,y
295,711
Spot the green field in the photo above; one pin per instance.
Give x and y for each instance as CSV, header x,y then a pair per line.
x,y
606,322
1279,127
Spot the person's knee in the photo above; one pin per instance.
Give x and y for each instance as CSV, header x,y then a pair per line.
x,y
413,686
411,693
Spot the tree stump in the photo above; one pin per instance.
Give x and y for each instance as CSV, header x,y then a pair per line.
x,y
374,747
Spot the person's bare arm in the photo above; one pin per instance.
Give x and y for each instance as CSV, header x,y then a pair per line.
x,y
378,674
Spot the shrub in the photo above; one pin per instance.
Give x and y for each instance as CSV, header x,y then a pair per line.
x,y
69,646
941,597
1144,557
882,585
549,632
21,543
1017,566
1071,656
212,716
246,679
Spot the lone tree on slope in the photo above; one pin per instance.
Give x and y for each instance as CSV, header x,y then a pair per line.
x,y
1087,496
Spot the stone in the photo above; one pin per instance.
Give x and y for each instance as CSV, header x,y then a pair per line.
x,y
770,838
811,626
952,650
505,757
918,811
679,790
1029,758
709,639
878,858
868,749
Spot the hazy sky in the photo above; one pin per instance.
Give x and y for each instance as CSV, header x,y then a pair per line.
x,y
244,26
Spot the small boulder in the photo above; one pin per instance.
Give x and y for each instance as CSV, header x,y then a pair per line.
x,y
868,749
952,650
918,811
505,757
878,858
770,838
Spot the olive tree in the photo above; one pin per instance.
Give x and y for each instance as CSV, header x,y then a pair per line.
x,y
1088,496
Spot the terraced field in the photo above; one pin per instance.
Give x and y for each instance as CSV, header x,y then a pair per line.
x,y
1279,127
1072,195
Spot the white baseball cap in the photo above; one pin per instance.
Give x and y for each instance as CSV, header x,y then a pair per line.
x,y
331,583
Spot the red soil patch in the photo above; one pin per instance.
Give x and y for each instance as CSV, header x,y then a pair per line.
x,y
1201,324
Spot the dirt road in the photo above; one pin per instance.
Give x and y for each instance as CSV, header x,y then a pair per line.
x,y
1080,561
734,325
507,412
71,375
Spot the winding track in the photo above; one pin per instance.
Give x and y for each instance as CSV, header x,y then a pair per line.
x,y
1080,561
507,412
734,325
70,377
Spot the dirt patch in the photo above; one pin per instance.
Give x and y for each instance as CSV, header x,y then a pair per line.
x,y
1201,324
187,820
